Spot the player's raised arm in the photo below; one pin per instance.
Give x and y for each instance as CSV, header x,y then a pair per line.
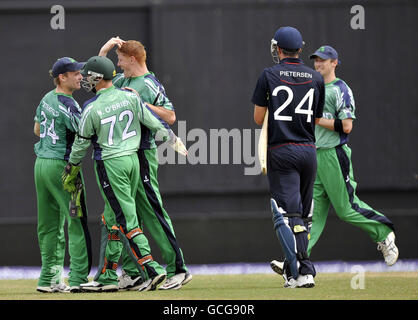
x,y
115,41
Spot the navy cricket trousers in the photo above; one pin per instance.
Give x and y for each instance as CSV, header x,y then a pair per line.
x,y
291,171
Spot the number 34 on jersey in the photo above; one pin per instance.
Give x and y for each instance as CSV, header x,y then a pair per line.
x,y
50,131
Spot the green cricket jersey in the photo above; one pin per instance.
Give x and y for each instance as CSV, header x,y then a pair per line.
x,y
339,104
58,115
150,90
111,121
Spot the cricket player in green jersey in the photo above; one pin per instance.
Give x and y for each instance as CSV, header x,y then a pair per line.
x,y
334,183
111,122
56,122
151,213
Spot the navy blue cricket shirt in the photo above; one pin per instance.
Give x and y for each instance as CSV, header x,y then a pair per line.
x,y
294,95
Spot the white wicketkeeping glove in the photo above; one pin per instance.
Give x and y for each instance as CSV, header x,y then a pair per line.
x,y
179,146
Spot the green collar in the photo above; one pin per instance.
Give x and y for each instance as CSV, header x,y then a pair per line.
x,y
112,87
62,94
145,74
332,82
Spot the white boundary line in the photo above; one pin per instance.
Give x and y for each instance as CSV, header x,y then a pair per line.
x,y
23,272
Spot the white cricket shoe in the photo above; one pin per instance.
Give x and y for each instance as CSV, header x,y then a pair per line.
x,y
59,287
187,278
153,283
94,286
306,281
389,250
127,282
44,289
173,283
75,289
277,266
291,283
303,281
177,281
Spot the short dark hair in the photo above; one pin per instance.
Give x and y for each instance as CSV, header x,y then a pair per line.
x,y
290,52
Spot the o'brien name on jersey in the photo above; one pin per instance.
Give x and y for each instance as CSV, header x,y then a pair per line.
x,y
115,106
295,74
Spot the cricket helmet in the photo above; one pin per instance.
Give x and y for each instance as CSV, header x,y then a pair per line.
x,y
97,68
288,38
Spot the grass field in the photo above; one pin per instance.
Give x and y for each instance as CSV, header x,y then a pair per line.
x,y
329,286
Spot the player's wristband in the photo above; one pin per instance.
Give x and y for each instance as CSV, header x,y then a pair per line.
x,y
338,126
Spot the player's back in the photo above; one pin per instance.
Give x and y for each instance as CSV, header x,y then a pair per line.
x,y
296,97
111,117
58,115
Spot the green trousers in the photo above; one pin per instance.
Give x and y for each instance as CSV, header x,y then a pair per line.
x,y
118,180
154,218
334,184
53,211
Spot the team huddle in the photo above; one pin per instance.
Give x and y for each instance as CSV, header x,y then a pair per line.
x,y
120,121
310,115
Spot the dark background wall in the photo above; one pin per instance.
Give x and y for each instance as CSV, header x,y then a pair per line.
x,y
209,55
